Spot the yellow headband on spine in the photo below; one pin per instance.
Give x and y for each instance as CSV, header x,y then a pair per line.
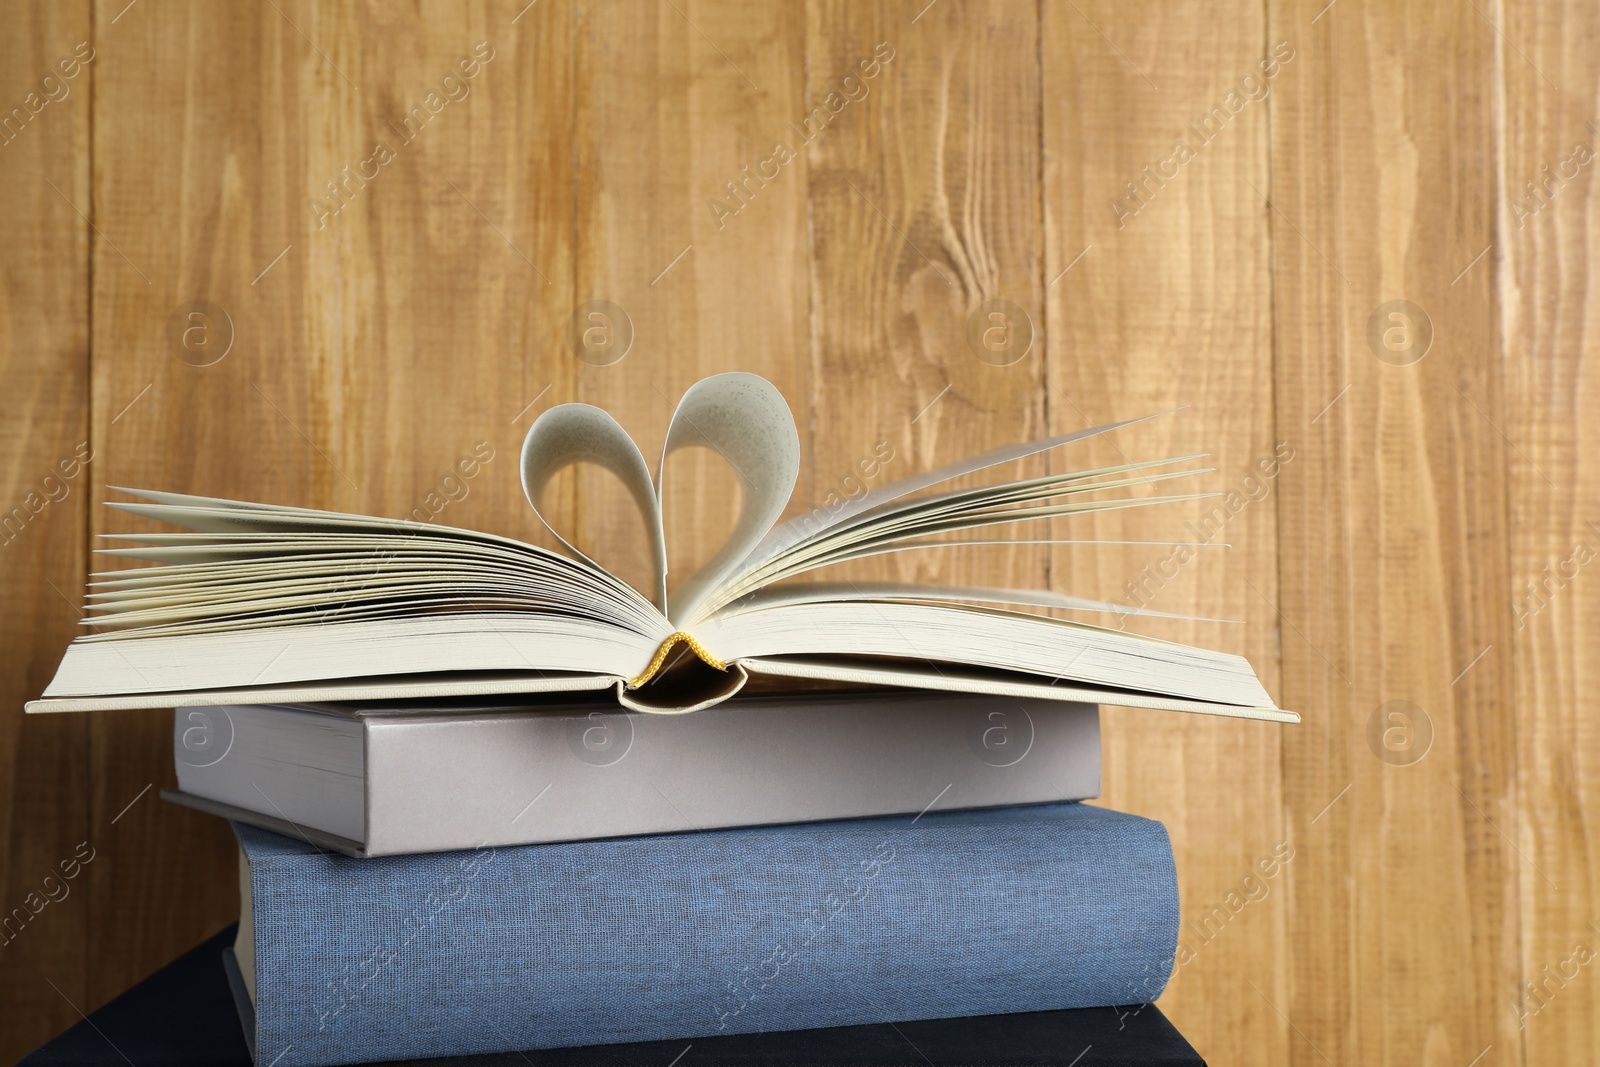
x,y
667,646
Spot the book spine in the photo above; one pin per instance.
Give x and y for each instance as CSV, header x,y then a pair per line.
x,y
683,936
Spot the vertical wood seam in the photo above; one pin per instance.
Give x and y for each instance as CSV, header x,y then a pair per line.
x,y
1042,332
89,435
575,26
1281,942
1499,373
813,358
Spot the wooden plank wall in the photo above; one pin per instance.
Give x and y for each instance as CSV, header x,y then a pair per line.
x,y
44,392
1395,612
1353,238
1548,353
1149,284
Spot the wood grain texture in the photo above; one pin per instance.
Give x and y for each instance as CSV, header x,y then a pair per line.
x,y
415,202
843,197
924,209
1392,539
1160,296
674,102
44,480
1546,275
180,84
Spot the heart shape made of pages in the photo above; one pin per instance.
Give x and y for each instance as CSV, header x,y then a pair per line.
x,y
740,416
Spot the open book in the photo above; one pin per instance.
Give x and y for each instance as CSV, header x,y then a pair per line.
x,y
262,603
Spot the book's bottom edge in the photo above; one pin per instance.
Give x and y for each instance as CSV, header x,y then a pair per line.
x,y
659,1048
310,835
321,840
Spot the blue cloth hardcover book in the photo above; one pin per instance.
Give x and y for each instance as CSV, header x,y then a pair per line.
x,y
687,935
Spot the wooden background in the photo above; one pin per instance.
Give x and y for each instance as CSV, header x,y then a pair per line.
x,y
1426,540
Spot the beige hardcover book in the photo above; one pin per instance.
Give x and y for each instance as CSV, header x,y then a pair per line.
x,y
379,779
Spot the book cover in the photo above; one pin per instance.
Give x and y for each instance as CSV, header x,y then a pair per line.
x,y
384,779
191,1011
938,915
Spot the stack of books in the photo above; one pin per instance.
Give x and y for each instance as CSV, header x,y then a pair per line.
x,y
488,797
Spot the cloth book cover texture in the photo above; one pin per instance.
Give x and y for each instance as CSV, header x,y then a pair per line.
x,y
183,1016
687,935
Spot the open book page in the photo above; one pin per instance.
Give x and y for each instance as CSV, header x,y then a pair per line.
x,y
258,565
903,534
575,433
447,686
950,678
839,592
255,566
808,526
988,637
739,416
745,420
282,655
277,600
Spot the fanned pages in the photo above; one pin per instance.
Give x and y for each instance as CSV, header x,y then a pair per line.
x,y
267,603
